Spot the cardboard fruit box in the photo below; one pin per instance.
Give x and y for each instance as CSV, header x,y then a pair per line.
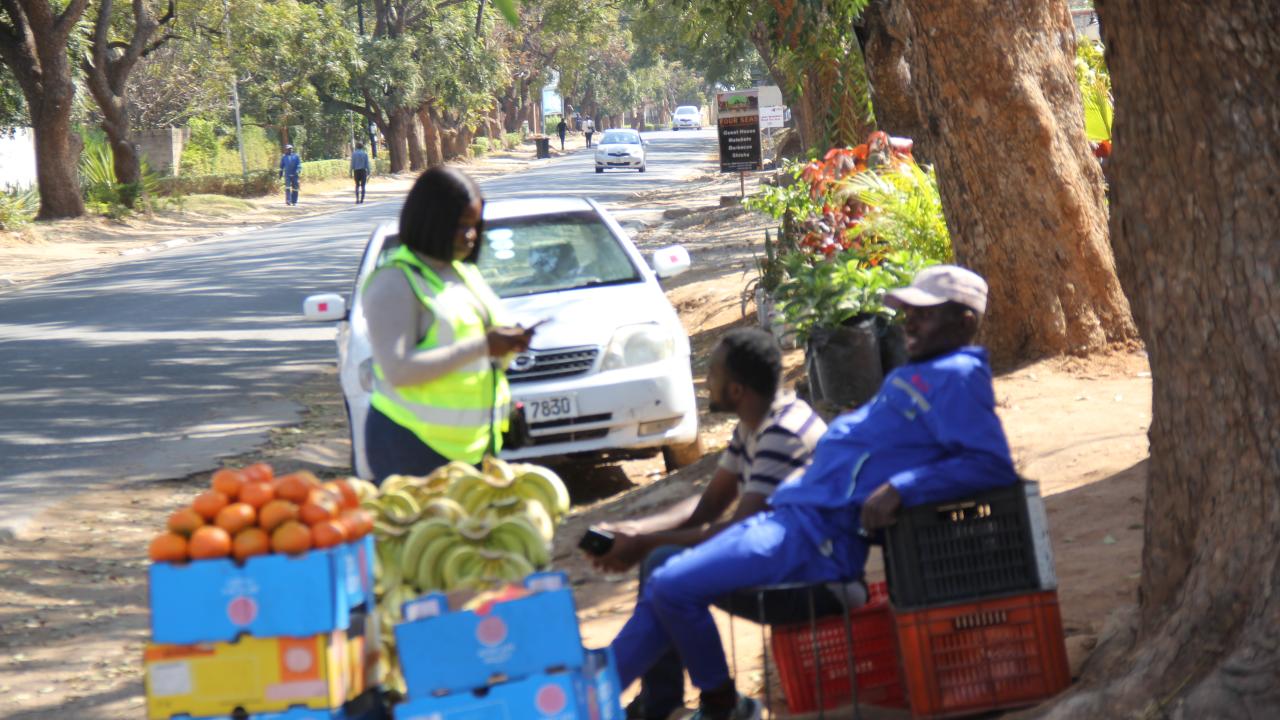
x,y
590,693
252,675
443,650
267,596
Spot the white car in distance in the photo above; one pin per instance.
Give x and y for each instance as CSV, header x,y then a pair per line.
x,y
621,149
688,117
609,371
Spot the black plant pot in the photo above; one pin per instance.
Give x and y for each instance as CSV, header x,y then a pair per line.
x,y
843,363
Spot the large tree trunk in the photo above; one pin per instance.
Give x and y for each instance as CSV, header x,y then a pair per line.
x,y
397,141
885,25
413,137
33,45
431,136
57,157
1023,195
1196,173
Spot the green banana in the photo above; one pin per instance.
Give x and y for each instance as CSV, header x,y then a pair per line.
x,y
430,563
420,537
452,567
518,536
536,482
400,508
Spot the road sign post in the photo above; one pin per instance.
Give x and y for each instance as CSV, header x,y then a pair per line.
x,y
738,125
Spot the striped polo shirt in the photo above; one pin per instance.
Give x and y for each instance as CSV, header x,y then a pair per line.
x,y
778,450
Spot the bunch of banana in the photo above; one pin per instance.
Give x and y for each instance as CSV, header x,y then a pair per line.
x,y
459,527
500,480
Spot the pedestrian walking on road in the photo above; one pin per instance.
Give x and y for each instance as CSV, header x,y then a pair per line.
x,y
360,170
291,172
589,129
561,129
439,337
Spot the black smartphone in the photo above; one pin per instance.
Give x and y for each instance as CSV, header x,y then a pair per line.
x,y
596,541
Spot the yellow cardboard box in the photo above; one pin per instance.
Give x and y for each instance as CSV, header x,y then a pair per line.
x,y
255,674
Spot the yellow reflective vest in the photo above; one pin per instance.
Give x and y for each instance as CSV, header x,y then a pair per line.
x,y
460,415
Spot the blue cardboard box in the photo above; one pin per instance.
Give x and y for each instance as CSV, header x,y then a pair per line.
x,y
560,696
451,651
604,687
591,693
269,595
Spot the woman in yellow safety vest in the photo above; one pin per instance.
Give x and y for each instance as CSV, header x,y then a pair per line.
x,y
437,333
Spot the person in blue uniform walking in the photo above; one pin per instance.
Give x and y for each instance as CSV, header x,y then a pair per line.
x,y
290,171
930,434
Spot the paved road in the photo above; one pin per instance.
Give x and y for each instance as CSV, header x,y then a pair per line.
x,y
157,367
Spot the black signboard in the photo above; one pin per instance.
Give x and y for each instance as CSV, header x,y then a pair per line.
x,y
739,143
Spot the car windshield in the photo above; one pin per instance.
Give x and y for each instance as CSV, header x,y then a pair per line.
x,y
550,253
620,138
686,111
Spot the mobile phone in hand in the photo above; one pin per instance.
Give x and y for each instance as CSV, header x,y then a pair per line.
x,y
596,542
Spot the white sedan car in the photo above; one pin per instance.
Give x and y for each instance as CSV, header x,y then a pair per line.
x,y
623,149
687,117
610,370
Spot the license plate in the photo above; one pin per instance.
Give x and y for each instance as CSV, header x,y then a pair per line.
x,y
551,407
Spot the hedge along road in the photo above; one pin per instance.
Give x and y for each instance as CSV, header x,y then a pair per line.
x,y
157,367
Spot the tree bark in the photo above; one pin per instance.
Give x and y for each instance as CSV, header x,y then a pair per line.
x,y
413,137
885,25
1196,172
1000,76
397,142
431,136
33,44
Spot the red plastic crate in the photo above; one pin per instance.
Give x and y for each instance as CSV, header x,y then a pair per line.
x,y
875,658
984,655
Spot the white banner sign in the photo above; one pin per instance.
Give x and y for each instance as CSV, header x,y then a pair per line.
x,y
773,116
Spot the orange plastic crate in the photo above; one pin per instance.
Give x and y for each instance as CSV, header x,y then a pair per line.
x,y
875,658
983,655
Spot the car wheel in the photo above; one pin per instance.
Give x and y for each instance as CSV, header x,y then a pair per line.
x,y
674,128
642,168
599,170
678,456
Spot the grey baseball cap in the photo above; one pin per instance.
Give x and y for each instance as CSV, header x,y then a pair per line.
x,y
939,284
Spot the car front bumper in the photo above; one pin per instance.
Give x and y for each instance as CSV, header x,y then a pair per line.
x,y
628,161
634,408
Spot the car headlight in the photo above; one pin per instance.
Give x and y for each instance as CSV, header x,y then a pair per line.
x,y
634,345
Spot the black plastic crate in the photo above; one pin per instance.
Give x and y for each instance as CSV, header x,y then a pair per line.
x,y
989,544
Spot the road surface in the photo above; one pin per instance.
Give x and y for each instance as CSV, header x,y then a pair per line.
x,y
159,366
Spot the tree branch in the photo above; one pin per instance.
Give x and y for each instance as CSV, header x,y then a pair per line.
x,y
67,20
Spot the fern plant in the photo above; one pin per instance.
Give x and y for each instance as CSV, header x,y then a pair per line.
x,y
17,207
904,210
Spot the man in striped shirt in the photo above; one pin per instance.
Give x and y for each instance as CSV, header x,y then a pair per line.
x,y
774,438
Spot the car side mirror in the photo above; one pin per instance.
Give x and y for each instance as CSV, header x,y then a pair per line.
x,y
670,261
326,307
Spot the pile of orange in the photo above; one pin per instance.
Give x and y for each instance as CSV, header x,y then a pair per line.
x,y
251,511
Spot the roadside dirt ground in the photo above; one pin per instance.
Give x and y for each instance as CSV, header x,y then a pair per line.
x,y
73,606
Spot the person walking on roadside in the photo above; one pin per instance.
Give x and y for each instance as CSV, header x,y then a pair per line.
x,y
589,129
561,129
290,171
439,336
360,170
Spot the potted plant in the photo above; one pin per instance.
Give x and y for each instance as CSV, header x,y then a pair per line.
x,y
837,307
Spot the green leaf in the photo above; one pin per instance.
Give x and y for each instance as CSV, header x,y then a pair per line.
x,y
508,10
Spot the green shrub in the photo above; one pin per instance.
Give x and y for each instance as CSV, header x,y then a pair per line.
x,y
18,207
102,194
479,146
381,166
511,140
325,169
256,184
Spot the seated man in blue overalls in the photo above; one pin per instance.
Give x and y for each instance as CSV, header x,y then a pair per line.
x,y
930,434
